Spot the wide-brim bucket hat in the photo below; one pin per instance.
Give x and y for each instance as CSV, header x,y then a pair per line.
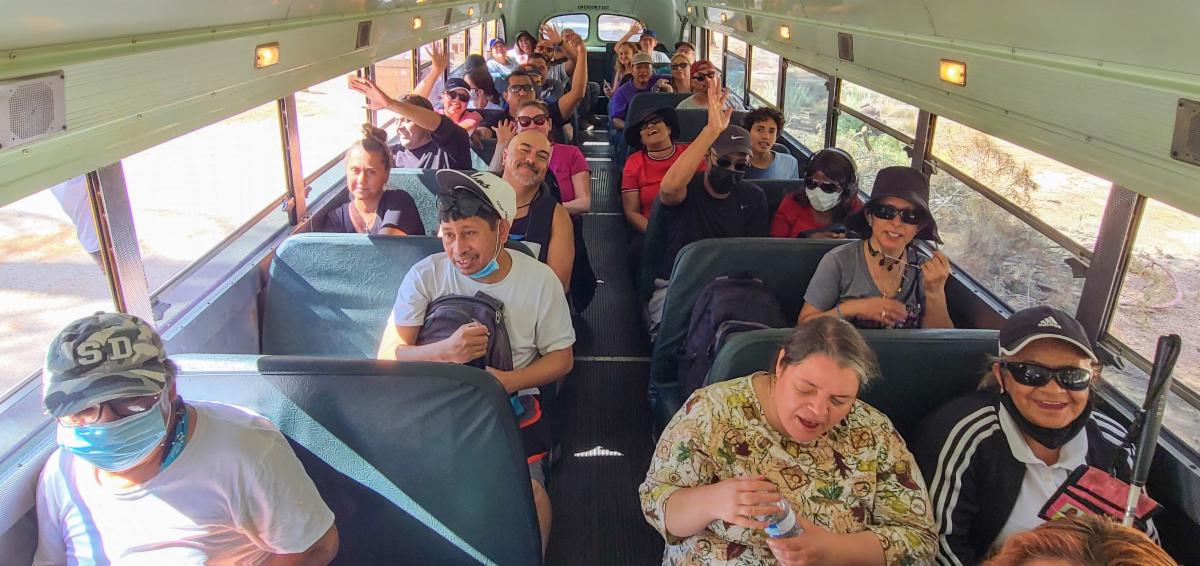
x,y
900,182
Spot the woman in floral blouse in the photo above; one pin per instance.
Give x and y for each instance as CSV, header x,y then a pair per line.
x,y
739,446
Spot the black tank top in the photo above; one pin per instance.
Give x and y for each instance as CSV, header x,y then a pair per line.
x,y
535,227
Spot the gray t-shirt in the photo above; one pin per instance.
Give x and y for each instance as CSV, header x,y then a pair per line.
x,y
843,275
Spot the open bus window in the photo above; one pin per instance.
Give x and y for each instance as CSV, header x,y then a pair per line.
x,y
49,274
1158,294
887,110
736,47
579,23
1064,197
735,77
330,119
456,51
716,49
872,149
190,193
476,42
395,74
764,75
805,106
611,27
1018,264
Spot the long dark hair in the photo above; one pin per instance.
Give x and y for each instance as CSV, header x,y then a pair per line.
x,y
482,79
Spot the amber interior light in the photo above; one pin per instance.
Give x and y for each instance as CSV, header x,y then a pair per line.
x,y
953,72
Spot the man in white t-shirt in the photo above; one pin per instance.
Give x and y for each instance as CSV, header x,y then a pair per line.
x,y
475,212
140,477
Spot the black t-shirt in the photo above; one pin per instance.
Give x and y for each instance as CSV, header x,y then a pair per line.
x,y
490,120
396,208
701,216
449,148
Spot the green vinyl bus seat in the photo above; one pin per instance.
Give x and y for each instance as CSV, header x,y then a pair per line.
x,y
920,369
421,463
784,265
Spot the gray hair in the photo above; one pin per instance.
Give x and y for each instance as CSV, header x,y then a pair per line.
x,y
835,338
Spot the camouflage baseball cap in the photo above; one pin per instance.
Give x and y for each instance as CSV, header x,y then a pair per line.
x,y
99,358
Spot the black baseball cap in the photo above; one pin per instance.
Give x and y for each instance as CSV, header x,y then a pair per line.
x,y
1039,322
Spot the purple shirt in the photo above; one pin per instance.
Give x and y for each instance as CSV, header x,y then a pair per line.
x,y
619,104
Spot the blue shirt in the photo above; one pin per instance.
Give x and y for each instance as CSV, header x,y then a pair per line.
x,y
784,166
619,104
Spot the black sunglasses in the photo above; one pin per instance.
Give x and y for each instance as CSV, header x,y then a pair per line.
x,y
703,76
680,65
725,163
1033,375
888,212
525,121
458,94
829,187
651,122
463,200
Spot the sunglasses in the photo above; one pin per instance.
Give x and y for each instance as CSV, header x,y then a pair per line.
x,y
463,96
517,89
122,408
703,76
829,187
464,201
888,212
525,121
651,122
739,165
1033,375
680,65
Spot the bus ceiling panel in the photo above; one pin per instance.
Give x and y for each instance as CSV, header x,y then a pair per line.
x,y
1114,121
37,23
125,100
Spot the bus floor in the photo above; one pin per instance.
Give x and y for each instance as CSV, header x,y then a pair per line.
x,y
604,422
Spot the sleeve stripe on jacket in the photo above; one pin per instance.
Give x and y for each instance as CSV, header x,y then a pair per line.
x,y
952,462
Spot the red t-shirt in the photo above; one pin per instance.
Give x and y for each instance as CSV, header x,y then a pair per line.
x,y
644,174
792,218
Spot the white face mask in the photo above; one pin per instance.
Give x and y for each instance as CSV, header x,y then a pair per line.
x,y
822,201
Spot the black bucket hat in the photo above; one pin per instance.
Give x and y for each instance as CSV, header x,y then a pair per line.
x,y
900,182
633,130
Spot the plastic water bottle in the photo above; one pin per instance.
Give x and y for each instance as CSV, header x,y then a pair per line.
x,y
782,523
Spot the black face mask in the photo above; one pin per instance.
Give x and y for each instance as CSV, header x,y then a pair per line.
x,y
723,180
1051,438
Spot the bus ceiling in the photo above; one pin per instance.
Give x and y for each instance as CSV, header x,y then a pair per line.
x,y
1054,78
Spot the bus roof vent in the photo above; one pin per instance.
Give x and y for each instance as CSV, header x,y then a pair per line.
x,y
845,46
31,108
1186,144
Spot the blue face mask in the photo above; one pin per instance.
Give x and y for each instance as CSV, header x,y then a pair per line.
x,y
492,266
119,445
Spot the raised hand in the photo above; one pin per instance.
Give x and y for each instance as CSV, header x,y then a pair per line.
x,y
437,55
506,130
376,98
935,272
551,32
635,28
719,111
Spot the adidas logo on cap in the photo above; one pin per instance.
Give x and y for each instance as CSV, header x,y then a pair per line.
x,y
1049,322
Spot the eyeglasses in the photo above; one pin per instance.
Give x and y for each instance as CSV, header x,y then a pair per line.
x,y
738,165
463,200
888,212
829,187
1033,375
518,89
525,121
655,121
680,65
703,76
463,96
121,408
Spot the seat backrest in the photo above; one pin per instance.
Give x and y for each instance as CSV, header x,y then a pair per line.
x,y
651,100
775,191
443,434
920,369
422,185
690,124
784,265
331,294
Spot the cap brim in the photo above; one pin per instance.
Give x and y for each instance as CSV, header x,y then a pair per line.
x,y
1025,342
450,179
134,387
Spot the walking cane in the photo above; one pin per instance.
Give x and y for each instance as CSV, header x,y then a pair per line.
x,y
1151,418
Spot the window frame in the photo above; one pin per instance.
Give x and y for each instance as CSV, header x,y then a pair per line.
x,y
589,18
783,73
745,73
778,78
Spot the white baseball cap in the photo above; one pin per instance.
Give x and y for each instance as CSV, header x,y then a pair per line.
x,y
487,186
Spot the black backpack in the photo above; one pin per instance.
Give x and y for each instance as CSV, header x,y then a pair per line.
x,y
446,314
728,305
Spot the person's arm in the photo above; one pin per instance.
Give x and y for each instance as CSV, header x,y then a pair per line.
x,y
634,28
561,255
905,530
673,189
568,101
437,58
378,100
631,205
955,499
582,182
618,105
319,554
506,130
543,371
781,223
934,274
819,546
399,343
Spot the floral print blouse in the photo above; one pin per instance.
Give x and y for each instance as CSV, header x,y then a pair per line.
x,y
858,476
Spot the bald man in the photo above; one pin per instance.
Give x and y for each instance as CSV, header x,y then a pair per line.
x,y
541,222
